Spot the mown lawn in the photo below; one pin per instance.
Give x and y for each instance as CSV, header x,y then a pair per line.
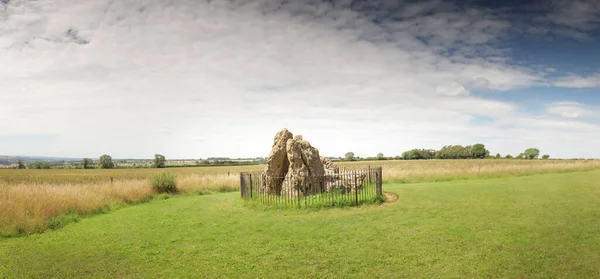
x,y
522,227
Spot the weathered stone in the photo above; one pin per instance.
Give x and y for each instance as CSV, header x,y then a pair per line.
x,y
277,164
306,172
345,181
329,165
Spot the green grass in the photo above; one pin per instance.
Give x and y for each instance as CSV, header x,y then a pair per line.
x,y
543,226
164,182
332,198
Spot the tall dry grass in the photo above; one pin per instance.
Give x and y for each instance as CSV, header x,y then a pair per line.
x,y
30,208
85,176
444,170
208,183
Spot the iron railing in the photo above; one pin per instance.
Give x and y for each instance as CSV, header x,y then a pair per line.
x,y
343,187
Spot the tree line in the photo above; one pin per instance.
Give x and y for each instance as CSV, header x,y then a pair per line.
x,y
476,151
106,162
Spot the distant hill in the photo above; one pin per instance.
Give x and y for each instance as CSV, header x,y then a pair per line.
x,y
9,160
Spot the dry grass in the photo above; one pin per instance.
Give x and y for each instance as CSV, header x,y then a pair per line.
x,y
81,176
444,170
30,208
35,200
196,183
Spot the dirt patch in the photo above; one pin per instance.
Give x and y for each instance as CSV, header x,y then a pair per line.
x,y
390,197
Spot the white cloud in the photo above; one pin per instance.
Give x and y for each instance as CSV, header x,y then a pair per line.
x,y
452,89
571,110
193,79
577,81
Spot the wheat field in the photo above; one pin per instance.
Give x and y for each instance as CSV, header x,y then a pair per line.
x,y
34,200
443,170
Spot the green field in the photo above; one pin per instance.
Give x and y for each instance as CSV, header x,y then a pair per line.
x,y
537,226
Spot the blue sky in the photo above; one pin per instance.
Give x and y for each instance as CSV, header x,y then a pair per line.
x,y
195,79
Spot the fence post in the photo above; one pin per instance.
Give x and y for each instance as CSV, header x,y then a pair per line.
x,y
379,182
251,185
355,188
242,186
297,194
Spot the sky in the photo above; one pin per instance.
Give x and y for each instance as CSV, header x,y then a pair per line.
x,y
197,79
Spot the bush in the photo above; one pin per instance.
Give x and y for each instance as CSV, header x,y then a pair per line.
x,y
38,165
164,183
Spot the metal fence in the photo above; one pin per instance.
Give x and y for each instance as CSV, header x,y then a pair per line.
x,y
335,188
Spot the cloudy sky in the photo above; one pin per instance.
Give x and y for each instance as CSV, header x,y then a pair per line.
x,y
193,79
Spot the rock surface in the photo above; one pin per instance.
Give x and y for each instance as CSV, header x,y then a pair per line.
x,y
329,166
277,164
295,167
306,169
345,181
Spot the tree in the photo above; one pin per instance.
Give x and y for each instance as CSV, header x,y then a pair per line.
x,y
546,157
520,156
419,154
106,162
87,163
349,156
454,152
508,156
21,165
380,156
407,155
498,156
531,153
478,151
159,161
38,165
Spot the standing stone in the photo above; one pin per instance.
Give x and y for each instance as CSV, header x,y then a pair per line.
x,y
306,170
277,164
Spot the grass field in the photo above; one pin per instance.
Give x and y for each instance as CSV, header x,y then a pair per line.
x,y
540,226
32,201
393,171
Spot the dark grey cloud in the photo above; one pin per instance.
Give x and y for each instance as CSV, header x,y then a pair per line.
x,y
74,37
582,15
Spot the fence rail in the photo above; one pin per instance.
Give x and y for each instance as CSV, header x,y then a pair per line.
x,y
344,187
